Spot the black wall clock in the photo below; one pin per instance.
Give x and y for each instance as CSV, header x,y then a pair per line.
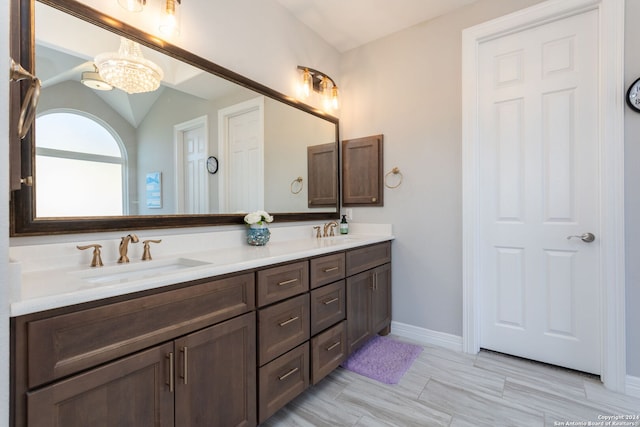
x,y
633,96
212,165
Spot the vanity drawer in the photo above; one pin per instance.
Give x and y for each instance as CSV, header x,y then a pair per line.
x,y
282,380
328,351
282,327
278,283
68,343
362,259
327,269
327,306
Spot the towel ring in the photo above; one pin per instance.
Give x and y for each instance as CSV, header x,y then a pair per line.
x,y
28,107
394,171
299,181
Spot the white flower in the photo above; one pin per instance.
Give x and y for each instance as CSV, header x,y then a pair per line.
x,y
257,217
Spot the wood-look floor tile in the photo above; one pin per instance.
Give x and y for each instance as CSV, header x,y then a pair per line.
x,y
383,404
448,388
556,408
480,408
597,393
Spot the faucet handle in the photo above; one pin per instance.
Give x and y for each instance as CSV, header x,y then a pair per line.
x,y
317,228
97,259
332,227
146,253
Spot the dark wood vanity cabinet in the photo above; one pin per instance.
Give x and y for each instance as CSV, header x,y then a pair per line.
x,y
180,357
368,293
227,351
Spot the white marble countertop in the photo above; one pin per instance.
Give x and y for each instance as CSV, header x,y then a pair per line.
x,y
40,283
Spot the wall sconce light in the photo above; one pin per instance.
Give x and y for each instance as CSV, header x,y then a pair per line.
x,y
169,22
315,81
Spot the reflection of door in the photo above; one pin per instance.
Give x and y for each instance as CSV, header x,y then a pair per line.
x,y
539,175
241,151
192,147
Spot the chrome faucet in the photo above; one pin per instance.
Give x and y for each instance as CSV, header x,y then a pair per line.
x,y
331,227
124,247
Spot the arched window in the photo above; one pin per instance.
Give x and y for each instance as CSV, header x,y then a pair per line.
x,y
79,167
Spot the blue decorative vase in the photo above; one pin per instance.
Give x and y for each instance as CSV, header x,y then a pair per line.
x,y
258,235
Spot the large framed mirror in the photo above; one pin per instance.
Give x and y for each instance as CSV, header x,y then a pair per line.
x,y
204,148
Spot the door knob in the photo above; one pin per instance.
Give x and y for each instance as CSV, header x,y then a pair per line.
x,y
586,237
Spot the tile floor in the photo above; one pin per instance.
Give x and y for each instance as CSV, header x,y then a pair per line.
x,y
447,388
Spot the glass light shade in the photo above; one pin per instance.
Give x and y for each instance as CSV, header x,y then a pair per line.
x,y
132,5
170,21
306,84
335,101
128,70
325,93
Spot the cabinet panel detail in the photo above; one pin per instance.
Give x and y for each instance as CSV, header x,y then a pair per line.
x,y
215,375
133,391
368,257
278,283
327,306
327,269
65,344
282,327
282,380
328,350
362,174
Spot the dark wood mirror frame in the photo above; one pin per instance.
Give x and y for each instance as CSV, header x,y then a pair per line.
x,y
22,156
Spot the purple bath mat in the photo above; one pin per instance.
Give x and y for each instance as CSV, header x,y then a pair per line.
x,y
383,359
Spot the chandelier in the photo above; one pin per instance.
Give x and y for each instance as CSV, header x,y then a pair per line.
x,y
128,70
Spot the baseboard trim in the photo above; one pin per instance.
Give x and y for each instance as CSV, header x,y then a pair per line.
x,y
427,336
632,386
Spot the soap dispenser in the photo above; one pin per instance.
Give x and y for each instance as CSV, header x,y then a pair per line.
x,y
344,226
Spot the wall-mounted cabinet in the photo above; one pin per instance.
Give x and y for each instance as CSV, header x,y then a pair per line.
x,y
362,180
322,161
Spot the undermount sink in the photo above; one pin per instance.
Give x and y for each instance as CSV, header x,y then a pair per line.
x,y
142,270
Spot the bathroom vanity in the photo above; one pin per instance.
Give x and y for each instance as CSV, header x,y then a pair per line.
x,y
225,349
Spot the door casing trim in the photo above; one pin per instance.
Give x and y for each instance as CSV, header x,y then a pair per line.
x,y
611,145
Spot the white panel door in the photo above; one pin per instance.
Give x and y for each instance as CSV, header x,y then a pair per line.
x,y
196,199
538,122
245,173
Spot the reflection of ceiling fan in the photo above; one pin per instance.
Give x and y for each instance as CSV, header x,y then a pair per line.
x,y
88,73
93,80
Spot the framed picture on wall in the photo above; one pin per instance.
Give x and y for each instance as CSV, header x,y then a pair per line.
x,y
154,190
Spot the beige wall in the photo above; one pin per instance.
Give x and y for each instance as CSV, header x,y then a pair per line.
x,y
408,87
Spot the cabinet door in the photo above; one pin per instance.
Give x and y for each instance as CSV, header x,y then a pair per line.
x,y
381,298
322,170
133,391
216,375
358,309
362,171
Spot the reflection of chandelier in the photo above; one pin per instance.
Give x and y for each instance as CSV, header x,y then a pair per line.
x,y
128,70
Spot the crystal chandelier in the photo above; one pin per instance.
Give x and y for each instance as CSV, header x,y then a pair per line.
x,y
128,70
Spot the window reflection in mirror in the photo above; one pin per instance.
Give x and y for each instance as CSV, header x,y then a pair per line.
x,y
76,154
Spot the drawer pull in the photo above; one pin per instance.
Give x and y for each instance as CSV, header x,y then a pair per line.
x,y
334,345
287,282
332,300
288,374
286,322
330,269
170,358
